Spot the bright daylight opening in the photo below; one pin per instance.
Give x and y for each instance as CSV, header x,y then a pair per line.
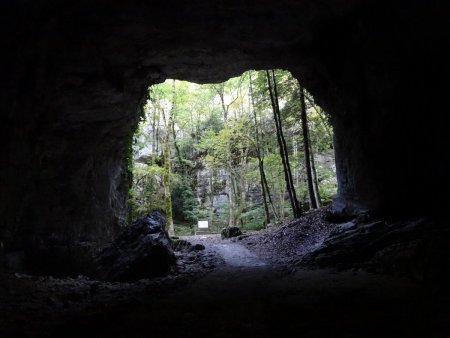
x,y
232,154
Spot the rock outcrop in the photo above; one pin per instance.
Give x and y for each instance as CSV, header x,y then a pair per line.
x,y
143,250
230,232
418,249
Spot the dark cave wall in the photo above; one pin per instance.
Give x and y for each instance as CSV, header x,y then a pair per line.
x,y
75,75
390,75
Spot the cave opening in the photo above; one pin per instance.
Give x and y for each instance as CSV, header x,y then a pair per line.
x,y
74,75
222,149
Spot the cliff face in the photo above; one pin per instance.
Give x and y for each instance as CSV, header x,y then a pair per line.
x,y
74,75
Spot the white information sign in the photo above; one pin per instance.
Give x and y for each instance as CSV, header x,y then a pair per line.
x,y
203,224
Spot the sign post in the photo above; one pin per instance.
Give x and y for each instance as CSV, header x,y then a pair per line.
x,y
202,227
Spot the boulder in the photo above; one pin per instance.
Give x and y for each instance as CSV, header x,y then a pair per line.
x,y
229,232
142,250
198,247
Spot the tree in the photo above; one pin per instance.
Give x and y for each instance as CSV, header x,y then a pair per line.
x,y
168,122
312,196
282,144
263,181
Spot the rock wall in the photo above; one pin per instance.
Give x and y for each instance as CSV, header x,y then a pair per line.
x,y
75,72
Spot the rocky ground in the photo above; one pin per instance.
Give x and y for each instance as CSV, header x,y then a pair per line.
x,y
282,246
286,244
259,284
28,302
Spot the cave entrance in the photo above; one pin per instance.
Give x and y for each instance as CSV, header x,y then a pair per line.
x,y
211,152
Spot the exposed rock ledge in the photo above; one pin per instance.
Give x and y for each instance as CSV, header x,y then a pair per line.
x,y
418,248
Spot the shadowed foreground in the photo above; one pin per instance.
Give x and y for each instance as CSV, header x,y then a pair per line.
x,y
246,297
253,285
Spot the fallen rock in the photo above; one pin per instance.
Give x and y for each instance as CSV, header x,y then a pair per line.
x,y
142,250
230,232
198,247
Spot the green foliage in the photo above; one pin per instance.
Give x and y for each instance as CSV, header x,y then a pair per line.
x,y
147,190
214,147
183,229
327,183
253,219
184,203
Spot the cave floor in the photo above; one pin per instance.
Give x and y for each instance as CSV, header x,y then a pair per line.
x,y
241,294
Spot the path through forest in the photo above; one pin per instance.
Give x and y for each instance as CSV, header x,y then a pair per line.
x,y
236,255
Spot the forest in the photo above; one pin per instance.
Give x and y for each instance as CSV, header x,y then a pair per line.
x,y
249,152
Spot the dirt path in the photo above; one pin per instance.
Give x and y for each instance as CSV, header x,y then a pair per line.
x,y
242,276
236,255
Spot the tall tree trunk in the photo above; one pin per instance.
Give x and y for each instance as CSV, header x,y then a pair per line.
x,y
211,199
229,184
282,193
193,133
242,184
282,146
269,195
297,211
229,181
295,155
154,150
315,180
309,178
221,92
264,191
166,176
236,195
166,181
177,149
157,137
